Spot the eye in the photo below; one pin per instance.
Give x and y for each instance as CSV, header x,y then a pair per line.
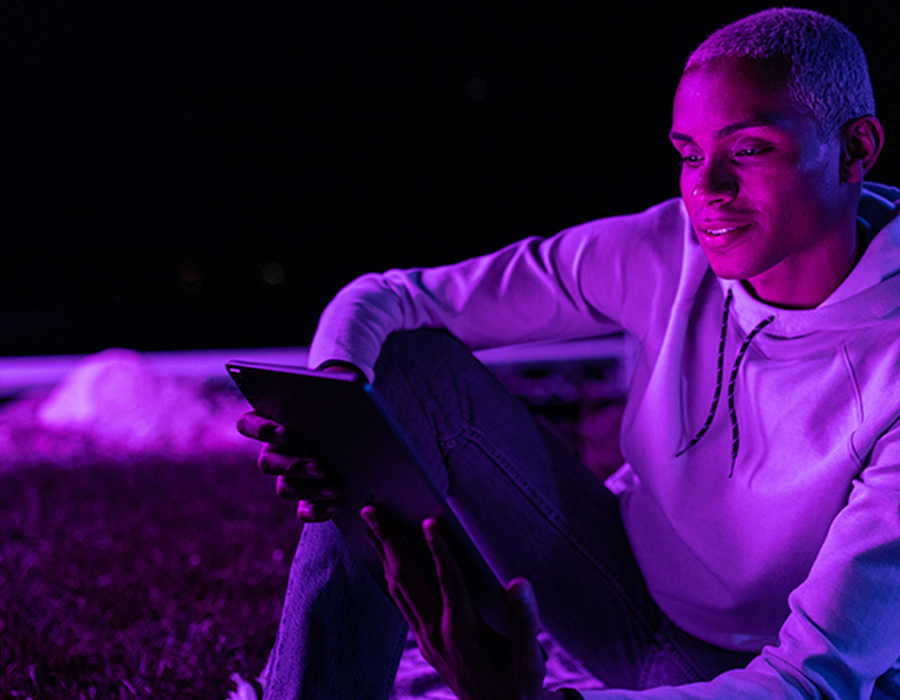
x,y
752,151
689,159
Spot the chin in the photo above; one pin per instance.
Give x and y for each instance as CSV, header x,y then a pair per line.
x,y
727,269
729,275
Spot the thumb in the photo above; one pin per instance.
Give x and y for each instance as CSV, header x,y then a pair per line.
x,y
524,623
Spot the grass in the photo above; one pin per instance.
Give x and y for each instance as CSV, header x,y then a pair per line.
x,y
152,579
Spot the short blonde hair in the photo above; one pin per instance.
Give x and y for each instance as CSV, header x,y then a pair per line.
x,y
828,70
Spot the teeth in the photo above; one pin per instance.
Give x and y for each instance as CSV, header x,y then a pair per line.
x,y
721,231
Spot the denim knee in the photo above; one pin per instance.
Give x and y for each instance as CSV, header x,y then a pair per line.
x,y
421,351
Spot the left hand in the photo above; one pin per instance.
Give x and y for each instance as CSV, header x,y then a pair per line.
x,y
476,662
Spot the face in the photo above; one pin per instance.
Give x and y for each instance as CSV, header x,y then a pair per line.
x,y
762,189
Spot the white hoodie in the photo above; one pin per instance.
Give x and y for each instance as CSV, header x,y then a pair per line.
x,y
786,536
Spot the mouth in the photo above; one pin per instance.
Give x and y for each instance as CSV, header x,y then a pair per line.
x,y
722,231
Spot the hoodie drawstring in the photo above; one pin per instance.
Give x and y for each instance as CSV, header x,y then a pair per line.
x,y
732,381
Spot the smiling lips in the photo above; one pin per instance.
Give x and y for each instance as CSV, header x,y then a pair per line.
x,y
717,229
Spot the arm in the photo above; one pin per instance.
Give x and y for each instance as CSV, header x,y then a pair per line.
x,y
843,631
592,279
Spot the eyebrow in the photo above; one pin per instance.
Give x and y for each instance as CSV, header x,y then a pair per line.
x,y
762,120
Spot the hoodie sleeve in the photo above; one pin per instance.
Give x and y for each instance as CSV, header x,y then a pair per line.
x,y
588,280
843,631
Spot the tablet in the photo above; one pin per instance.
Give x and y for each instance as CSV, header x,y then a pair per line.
x,y
340,421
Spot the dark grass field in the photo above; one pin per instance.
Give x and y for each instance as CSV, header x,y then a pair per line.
x,y
157,577
151,579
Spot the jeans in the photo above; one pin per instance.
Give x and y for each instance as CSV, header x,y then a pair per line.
x,y
531,508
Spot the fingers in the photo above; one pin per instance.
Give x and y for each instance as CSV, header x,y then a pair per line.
x,y
524,616
292,489
472,659
344,367
459,615
524,624
297,478
301,479
317,511
390,562
407,582
274,461
253,425
316,501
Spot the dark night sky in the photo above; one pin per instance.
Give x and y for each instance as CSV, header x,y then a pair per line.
x,y
157,158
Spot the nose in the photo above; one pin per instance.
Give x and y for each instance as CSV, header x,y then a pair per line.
x,y
714,183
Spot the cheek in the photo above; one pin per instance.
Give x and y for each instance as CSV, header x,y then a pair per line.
x,y
803,201
686,184
807,186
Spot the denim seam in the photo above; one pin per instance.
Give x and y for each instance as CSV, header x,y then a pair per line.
x,y
647,665
682,661
669,644
477,438
449,443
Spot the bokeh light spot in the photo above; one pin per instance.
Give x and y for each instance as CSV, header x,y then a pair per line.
x,y
273,273
476,89
191,271
191,276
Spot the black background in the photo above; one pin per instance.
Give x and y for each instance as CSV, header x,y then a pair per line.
x,y
157,157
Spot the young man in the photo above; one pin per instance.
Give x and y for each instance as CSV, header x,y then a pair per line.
x,y
750,546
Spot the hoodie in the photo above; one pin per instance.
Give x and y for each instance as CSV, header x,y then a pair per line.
x,y
761,489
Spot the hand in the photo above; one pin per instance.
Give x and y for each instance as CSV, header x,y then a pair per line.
x,y
297,478
473,660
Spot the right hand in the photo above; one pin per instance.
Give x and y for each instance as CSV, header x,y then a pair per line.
x,y
297,478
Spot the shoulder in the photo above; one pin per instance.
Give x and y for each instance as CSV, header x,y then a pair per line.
x,y
662,232
664,218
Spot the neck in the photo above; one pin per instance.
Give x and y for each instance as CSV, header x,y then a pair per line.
x,y
793,284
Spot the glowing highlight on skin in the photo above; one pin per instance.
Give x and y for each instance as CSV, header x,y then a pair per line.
x,y
762,188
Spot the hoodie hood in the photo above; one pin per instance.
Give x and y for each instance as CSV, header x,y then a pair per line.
x,y
870,293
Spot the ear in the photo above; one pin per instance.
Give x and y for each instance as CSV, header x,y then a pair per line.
x,y
862,142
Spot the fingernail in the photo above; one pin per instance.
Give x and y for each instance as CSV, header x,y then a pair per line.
x,y
312,468
272,432
368,515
